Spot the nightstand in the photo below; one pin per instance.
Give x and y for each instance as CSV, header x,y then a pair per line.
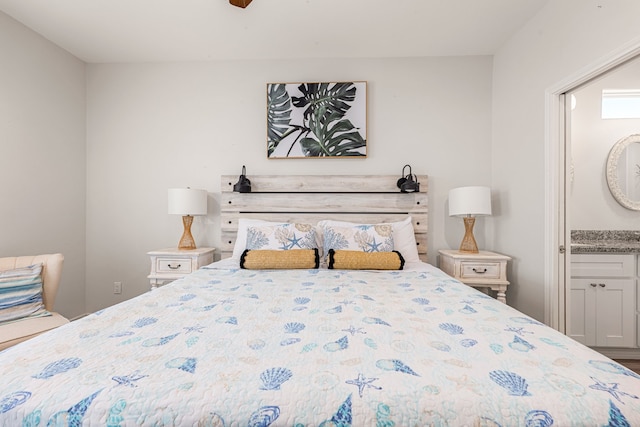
x,y
482,270
171,264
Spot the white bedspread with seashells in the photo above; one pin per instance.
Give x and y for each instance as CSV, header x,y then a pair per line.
x,y
308,348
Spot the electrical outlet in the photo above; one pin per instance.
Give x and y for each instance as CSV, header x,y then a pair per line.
x,y
117,287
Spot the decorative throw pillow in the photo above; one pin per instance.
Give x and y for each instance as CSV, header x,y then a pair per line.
x,y
278,259
281,236
361,237
21,293
404,238
357,260
241,235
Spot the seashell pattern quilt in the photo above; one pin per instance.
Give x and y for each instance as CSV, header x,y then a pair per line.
x,y
231,347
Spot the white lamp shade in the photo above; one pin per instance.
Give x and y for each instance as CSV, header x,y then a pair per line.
x,y
187,201
470,201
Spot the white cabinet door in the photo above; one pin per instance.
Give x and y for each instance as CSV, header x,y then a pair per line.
x,y
603,312
582,321
602,299
615,313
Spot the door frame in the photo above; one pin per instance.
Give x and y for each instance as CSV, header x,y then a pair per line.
x,y
556,227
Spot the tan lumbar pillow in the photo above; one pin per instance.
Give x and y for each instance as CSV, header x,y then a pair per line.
x,y
357,260
267,259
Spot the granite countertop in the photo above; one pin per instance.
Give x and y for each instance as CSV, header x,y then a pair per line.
x,y
605,241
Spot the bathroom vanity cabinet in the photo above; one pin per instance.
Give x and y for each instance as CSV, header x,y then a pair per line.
x,y
604,300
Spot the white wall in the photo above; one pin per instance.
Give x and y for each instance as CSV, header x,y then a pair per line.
x,y
42,155
592,205
155,126
564,38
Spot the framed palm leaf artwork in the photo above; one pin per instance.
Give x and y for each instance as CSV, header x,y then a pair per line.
x,y
316,120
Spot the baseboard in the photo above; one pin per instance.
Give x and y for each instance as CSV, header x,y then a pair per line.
x,y
619,353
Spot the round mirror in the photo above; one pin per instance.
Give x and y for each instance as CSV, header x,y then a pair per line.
x,y
623,172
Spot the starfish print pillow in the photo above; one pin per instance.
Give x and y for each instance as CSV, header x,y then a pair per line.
x,y
284,236
358,237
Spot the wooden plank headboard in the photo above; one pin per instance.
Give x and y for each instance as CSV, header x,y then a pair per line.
x,y
311,198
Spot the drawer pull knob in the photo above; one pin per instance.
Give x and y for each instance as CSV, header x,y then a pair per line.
x,y
602,285
479,270
593,285
176,267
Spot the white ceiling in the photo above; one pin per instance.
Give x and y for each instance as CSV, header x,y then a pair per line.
x,y
183,30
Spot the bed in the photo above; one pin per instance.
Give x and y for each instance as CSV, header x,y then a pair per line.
x,y
229,346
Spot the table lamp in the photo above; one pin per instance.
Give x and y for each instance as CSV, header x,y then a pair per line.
x,y
187,202
469,202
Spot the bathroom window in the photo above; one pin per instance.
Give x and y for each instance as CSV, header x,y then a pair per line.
x,y
621,104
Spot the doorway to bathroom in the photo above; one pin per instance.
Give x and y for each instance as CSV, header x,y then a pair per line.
x,y
602,141
589,115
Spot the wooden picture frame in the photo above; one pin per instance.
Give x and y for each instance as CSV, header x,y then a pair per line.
x,y
317,120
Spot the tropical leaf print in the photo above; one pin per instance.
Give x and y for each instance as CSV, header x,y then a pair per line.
x,y
331,135
315,122
326,98
278,115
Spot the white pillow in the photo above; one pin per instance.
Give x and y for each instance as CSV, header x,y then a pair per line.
x,y
404,239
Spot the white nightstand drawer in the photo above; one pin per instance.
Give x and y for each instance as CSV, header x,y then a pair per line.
x,y
173,265
479,270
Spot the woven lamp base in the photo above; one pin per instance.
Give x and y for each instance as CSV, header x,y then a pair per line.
x,y
468,243
186,241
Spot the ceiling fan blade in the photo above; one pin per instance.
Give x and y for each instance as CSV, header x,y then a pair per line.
x,y
240,3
